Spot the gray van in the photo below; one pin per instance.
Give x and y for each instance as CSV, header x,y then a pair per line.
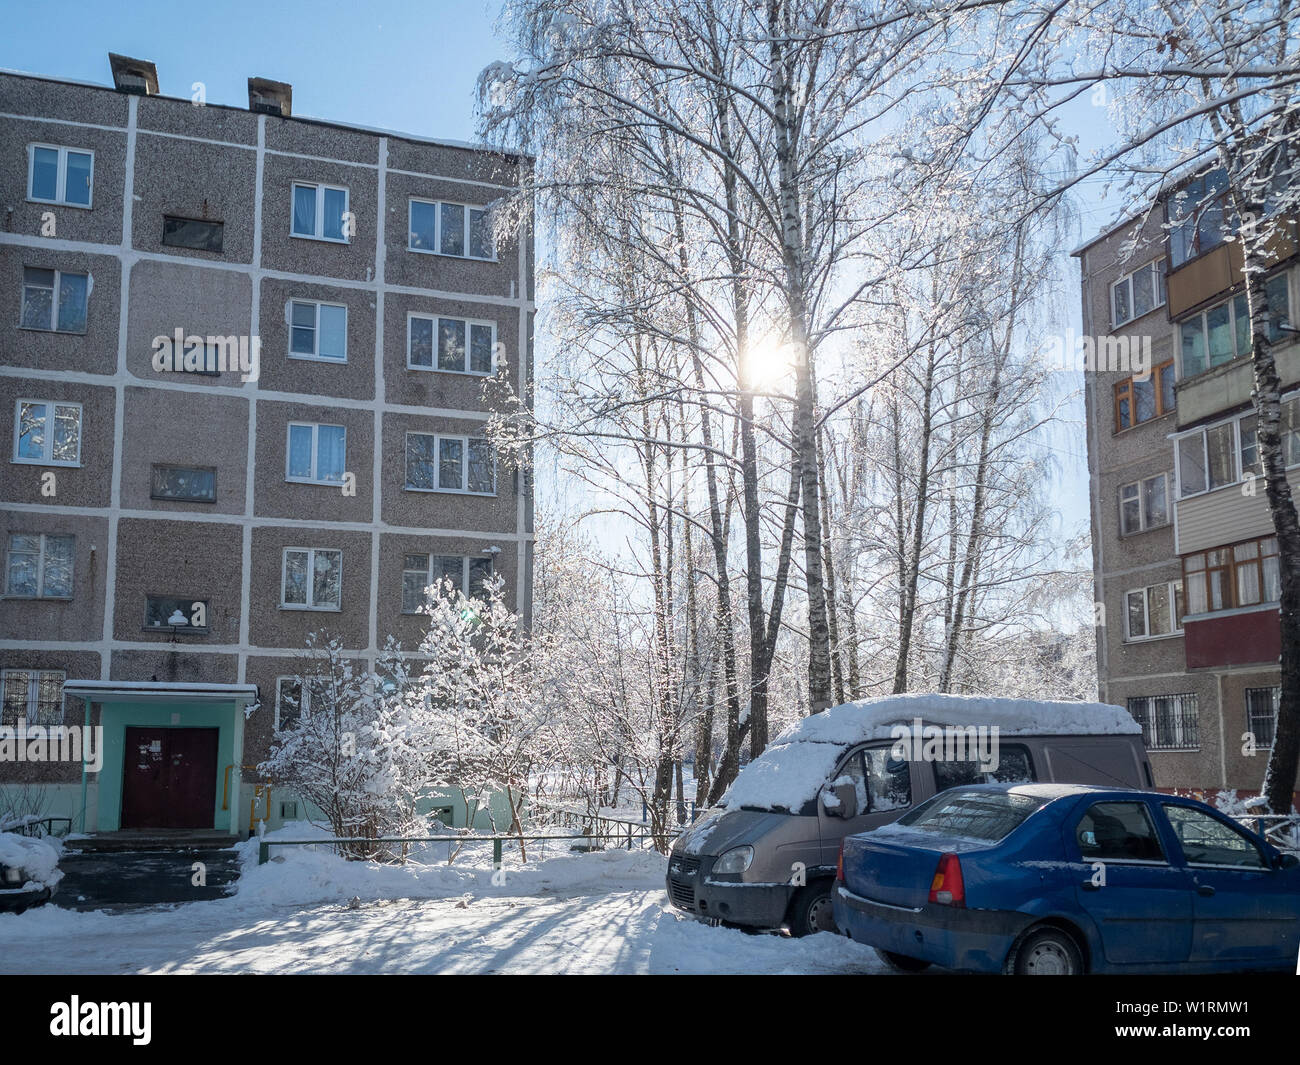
x,y
765,856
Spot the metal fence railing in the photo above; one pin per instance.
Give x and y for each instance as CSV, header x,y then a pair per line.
x,y
498,841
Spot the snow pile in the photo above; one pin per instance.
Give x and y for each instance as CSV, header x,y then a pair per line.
x,y
789,773
298,875
37,858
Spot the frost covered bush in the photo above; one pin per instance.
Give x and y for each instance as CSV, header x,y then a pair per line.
x,y
356,750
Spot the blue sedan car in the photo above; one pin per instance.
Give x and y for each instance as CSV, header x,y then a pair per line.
x,y
1059,879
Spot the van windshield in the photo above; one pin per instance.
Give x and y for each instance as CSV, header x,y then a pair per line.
x,y
785,777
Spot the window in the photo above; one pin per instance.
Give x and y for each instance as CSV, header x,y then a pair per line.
x,y
1261,714
315,453
1245,574
292,702
193,484
982,815
319,212
312,579
318,331
182,613
54,300
1138,293
1169,722
453,345
450,464
1118,831
60,175
1014,766
1222,333
1144,504
1208,841
468,574
38,442
1195,215
1223,454
456,229
39,566
194,233
1138,399
36,695
1154,611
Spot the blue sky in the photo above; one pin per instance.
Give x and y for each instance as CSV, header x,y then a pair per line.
x,y
409,67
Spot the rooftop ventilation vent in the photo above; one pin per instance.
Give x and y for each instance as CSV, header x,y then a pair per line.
x,y
268,97
137,76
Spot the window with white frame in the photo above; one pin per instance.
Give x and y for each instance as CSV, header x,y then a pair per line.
x,y
312,579
35,695
1144,504
1261,714
1156,610
442,228
39,566
437,463
452,345
47,432
54,300
419,571
1169,722
316,454
320,212
59,175
1227,452
1138,293
318,331
292,702
1222,332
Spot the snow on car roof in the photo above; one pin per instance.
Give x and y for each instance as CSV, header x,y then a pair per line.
x,y
789,773
869,719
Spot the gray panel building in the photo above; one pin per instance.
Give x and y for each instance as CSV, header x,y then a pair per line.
x,y
242,358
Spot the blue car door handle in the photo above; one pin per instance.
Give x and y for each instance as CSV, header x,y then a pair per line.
x,y
1204,889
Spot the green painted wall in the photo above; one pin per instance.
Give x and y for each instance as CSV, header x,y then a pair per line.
x,y
116,717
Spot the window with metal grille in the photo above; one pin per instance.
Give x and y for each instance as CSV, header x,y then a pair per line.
x,y
36,695
1261,714
1169,722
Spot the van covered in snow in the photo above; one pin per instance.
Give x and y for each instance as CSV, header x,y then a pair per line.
x,y
765,857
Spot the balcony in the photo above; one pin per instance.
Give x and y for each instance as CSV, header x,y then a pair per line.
x,y
1243,637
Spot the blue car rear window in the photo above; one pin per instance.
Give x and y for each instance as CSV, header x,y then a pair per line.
x,y
978,815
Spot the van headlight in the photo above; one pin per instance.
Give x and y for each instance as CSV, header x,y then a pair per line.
x,y
736,860
12,875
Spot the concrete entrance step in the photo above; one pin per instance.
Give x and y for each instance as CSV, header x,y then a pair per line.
x,y
155,839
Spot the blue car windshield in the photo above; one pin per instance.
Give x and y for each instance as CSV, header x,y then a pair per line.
x,y
982,815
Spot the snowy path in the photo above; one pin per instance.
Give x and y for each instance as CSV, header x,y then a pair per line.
x,y
614,932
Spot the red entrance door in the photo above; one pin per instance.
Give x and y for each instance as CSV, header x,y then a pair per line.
x,y
170,777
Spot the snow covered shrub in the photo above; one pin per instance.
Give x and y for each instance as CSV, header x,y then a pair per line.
x,y
486,724
353,749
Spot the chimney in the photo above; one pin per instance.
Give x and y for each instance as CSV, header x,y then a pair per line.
x,y
270,97
137,76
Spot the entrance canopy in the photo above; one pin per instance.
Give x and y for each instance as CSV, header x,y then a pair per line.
x,y
171,754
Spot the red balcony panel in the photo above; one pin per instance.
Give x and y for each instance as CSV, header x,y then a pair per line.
x,y
1237,639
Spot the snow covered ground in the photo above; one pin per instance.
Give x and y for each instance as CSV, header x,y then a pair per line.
x,y
598,913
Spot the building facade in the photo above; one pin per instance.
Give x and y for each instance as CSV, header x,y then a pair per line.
x,y
242,362
1185,562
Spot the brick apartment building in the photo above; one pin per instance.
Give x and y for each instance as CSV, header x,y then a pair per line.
x,y
1185,562
173,532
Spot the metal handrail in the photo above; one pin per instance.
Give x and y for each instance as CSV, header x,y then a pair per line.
x,y
264,845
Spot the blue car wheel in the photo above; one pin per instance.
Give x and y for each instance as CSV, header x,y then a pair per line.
x,y
1046,952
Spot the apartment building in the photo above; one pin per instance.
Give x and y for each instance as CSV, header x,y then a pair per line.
x,y
1185,561
242,357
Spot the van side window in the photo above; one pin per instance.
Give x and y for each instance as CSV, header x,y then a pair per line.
x,y
1116,830
1014,767
889,779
